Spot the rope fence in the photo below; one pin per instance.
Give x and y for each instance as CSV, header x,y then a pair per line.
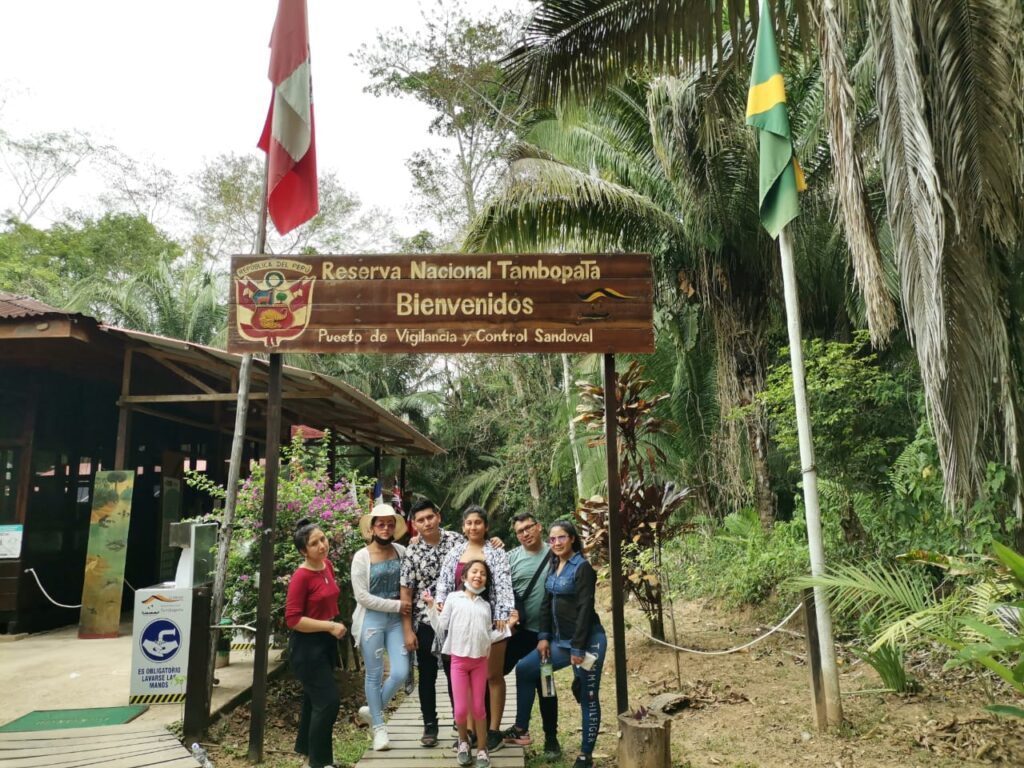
x,y
47,594
756,640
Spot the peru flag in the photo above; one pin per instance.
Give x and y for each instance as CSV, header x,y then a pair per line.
x,y
288,136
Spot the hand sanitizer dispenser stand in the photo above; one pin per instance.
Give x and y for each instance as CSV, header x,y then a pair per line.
x,y
163,619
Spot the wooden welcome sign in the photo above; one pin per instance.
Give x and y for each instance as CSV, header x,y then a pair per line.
x,y
447,303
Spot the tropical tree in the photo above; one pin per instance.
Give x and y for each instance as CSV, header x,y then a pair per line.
x,y
226,209
51,264
40,163
667,167
452,67
180,300
950,135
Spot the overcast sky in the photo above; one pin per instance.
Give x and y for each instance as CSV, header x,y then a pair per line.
x,y
178,82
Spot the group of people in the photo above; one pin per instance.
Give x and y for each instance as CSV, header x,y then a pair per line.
x,y
461,602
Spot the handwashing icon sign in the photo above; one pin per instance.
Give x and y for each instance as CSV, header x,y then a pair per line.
x,y
160,640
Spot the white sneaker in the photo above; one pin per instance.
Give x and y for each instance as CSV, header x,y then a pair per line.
x,y
381,741
364,715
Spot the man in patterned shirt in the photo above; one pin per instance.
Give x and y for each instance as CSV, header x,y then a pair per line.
x,y
420,569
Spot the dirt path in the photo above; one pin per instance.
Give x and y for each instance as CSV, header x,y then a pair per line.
x,y
752,708
745,710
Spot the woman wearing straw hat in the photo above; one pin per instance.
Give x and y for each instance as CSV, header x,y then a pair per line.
x,y
377,622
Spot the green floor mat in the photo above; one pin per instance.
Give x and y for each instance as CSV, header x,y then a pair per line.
x,y
55,719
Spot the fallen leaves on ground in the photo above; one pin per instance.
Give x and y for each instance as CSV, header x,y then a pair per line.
x,y
976,738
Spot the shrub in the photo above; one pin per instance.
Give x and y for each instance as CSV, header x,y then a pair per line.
x,y
738,562
304,490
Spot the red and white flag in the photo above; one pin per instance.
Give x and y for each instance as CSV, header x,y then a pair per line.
x,y
288,136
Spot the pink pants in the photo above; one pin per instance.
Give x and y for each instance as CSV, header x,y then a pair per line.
x,y
469,682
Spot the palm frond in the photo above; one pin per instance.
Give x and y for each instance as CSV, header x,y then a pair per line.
x,y
880,309
948,80
890,595
574,48
549,202
480,487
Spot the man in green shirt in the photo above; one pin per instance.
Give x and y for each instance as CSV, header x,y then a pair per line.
x,y
529,563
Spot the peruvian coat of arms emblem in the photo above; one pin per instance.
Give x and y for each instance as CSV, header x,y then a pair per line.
x,y
273,299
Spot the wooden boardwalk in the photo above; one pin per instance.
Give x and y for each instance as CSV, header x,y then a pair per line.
x,y
405,727
109,746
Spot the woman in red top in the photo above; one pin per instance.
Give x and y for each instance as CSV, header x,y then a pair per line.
x,y
313,647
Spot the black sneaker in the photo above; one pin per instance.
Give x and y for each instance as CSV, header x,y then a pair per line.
x,y
429,737
495,741
516,737
552,750
584,761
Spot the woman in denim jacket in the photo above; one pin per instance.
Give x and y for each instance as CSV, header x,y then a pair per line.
x,y
477,547
570,632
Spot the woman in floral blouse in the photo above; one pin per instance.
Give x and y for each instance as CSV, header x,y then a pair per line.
x,y
477,547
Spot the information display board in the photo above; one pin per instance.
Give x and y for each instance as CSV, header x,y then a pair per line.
x,y
447,303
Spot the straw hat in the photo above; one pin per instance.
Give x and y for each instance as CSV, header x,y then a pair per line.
x,y
381,510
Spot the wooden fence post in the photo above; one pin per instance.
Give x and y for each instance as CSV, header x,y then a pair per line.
x,y
819,705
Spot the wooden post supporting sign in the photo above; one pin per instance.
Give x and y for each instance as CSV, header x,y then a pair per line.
x,y
611,432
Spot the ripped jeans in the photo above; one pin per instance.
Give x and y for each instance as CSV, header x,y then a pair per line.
x,y
382,632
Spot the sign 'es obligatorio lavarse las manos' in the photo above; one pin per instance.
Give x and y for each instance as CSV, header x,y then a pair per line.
x,y
447,303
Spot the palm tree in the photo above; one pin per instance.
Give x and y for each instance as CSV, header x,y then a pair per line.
x,y
667,167
183,301
951,121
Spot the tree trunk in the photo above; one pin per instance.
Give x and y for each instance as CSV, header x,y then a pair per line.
x,y
656,616
531,471
853,531
764,497
566,388
228,520
645,743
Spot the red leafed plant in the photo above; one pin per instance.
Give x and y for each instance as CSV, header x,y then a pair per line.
x,y
648,502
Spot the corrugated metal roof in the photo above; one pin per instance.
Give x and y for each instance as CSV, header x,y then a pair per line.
x,y
337,406
12,305
323,400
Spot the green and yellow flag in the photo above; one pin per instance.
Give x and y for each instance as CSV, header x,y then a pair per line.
x,y
780,178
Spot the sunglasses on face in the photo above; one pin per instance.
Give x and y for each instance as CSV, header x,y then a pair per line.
x,y
384,524
526,528
558,539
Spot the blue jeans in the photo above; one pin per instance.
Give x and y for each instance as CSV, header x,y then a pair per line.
x,y
382,632
528,676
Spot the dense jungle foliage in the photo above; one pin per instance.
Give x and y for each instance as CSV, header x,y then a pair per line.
x,y
911,293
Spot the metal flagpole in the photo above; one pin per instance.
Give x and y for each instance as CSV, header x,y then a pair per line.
x,y
258,706
234,469
810,478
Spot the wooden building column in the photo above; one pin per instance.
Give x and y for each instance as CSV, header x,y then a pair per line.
x,y
124,419
332,456
26,442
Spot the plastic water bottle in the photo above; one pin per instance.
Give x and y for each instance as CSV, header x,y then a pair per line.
x,y
200,756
